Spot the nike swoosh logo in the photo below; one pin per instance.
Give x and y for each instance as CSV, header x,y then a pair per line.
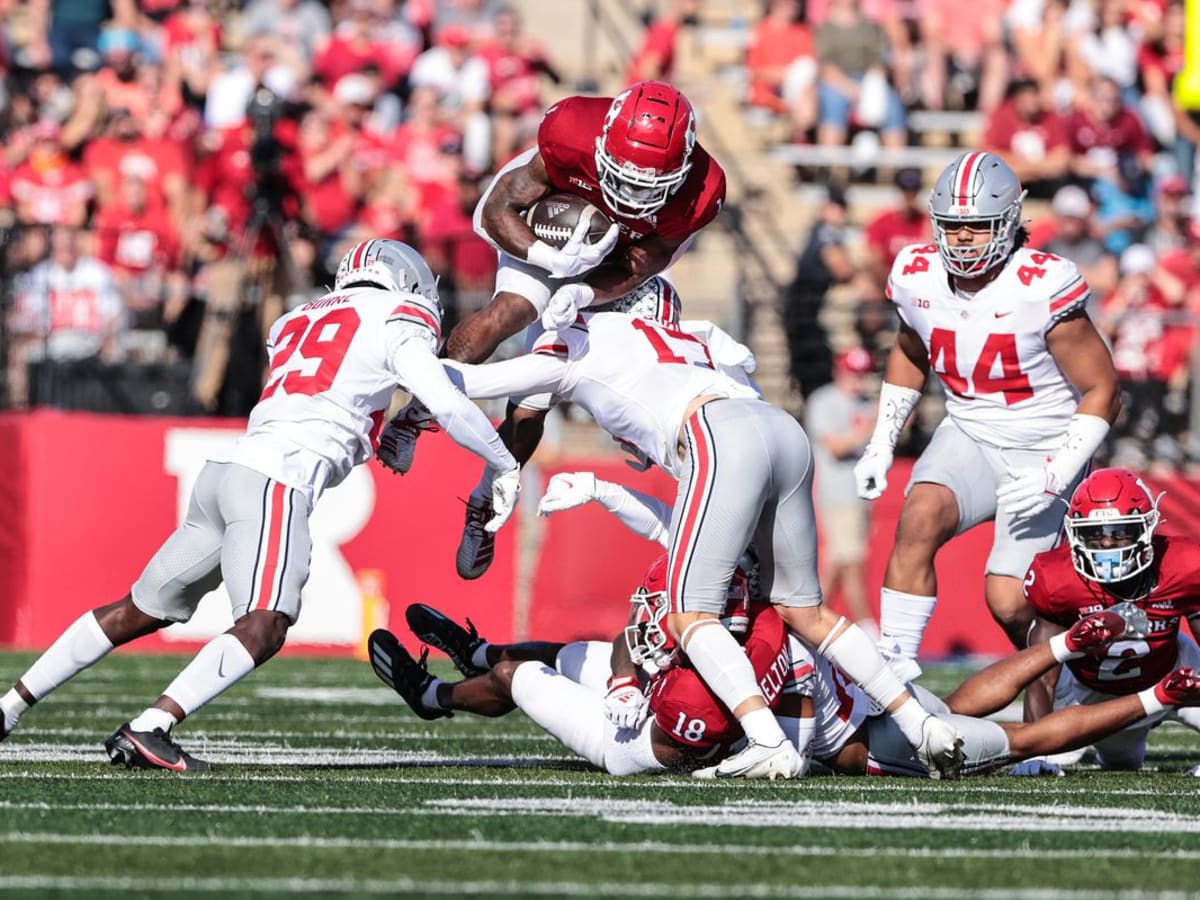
x,y
221,666
1003,314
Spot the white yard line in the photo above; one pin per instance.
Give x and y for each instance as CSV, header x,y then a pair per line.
x,y
484,846
565,888
758,813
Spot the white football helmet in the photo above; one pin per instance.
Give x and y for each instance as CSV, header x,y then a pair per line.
x,y
387,264
977,189
655,299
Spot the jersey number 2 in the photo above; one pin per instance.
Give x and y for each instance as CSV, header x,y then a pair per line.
x,y
1013,383
326,339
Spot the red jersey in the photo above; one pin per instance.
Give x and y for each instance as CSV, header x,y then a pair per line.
x,y
134,242
1060,595
567,142
686,709
891,231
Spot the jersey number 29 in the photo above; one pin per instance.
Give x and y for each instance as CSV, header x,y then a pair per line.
x,y
324,339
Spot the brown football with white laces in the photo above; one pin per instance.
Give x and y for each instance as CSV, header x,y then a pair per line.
x,y
555,217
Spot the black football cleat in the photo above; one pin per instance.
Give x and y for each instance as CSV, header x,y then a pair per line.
x,y
445,634
151,750
398,670
477,547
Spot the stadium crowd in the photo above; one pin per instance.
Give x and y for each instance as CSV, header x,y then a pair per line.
x,y
160,154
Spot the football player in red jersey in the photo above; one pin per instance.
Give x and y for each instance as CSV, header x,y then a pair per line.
x,y
636,158
632,706
1113,556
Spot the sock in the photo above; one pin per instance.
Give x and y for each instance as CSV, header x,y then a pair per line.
x,y
483,490
81,645
479,657
429,698
153,717
12,706
220,664
909,717
722,663
853,653
902,621
1150,702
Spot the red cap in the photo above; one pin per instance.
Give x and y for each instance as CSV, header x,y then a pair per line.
x,y
1173,184
454,36
856,360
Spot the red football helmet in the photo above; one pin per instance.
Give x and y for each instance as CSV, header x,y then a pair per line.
x,y
1110,524
644,150
648,640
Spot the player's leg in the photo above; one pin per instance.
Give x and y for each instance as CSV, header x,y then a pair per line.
x,y
786,541
985,747
726,478
946,496
184,569
470,653
1016,543
574,714
264,560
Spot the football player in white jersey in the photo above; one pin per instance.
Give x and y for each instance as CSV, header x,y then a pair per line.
x,y
335,364
839,726
745,475
1030,393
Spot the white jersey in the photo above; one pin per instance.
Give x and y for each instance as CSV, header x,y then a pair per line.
x,y
1002,385
635,377
840,705
334,365
74,308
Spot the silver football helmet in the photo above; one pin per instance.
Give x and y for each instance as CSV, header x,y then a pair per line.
x,y
655,299
388,264
977,189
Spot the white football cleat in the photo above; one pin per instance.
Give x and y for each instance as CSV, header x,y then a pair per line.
x,y
780,760
941,749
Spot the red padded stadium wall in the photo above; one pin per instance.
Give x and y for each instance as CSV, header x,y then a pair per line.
x,y
88,498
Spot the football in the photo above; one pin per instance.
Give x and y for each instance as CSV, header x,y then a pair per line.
x,y
555,217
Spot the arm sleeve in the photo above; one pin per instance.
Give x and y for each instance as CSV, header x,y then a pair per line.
x,y
642,514
534,373
421,373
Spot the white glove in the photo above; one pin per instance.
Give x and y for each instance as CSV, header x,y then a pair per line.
x,y
870,472
563,308
576,256
505,489
567,490
625,705
1028,491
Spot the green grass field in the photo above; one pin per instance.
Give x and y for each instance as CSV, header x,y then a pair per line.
x,y
328,786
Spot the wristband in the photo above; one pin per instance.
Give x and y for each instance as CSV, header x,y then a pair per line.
x,y
1084,436
615,682
541,255
896,404
1059,649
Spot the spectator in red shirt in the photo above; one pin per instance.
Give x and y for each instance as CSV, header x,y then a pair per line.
x,y
965,51
353,103
1031,138
330,183
465,262
891,230
654,60
515,63
138,241
1101,129
191,46
420,139
357,43
782,66
48,188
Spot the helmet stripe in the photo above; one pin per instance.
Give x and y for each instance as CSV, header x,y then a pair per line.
x,y
967,176
361,254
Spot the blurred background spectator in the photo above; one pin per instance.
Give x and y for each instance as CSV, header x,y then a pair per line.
x,y
839,418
